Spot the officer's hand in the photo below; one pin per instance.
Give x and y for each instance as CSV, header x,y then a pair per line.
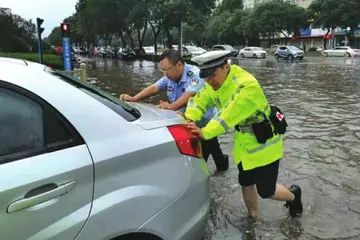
x,y
194,129
163,105
128,98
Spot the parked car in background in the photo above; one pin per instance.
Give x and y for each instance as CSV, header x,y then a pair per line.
x,y
234,52
194,51
78,163
127,54
341,52
315,49
149,50
289,52
253,52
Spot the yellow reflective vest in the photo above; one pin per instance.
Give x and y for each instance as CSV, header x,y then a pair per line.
x,y
241,101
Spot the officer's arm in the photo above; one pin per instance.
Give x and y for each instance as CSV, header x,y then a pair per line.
x,y
151,90
198,105
195,86
182,101
241,106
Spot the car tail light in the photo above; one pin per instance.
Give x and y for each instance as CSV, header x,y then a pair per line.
x,y
356,50
186,141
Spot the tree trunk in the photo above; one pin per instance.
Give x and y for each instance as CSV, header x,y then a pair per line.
x,y
156,34
143,35
128,32
168,36
139,37
123,41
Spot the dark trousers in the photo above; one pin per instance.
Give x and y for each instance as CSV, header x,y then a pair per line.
x,y
212,147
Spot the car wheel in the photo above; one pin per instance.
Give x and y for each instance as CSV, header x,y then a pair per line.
x,y
301,58
291,57
348,54
254,56
276,57
242,55
326,54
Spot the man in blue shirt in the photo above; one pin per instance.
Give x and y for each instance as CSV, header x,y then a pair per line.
x,y
181,81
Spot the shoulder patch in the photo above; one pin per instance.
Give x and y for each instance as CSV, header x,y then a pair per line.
x,y
190,73
194,81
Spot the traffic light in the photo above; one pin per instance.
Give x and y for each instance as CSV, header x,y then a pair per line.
x,y
65,30
40,30
39,21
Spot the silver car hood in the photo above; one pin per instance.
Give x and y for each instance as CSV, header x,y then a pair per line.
x,y
153,117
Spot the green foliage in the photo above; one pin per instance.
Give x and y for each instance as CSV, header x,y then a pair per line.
x,y
17,34
332,13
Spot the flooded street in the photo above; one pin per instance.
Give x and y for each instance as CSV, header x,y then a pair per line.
x,y
321,101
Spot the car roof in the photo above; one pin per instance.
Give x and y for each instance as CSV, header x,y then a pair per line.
x,y
11,62
12,69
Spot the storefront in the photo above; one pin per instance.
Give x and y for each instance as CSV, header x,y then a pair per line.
x,y
341,40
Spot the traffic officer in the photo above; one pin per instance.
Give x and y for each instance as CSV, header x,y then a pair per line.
x,y
181,81
258,148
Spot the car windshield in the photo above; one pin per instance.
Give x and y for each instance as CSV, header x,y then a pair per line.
x,y
191,48
123,109
228,47
293,48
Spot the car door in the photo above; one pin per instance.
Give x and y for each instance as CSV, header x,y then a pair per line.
x,y
282,51
46,171
337,52
248,52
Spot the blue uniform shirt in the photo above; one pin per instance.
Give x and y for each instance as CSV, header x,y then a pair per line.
x,y
189,82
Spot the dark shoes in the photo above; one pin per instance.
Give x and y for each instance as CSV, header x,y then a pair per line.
x,y
295,206
224,164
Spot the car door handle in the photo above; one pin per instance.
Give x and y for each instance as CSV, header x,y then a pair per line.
x,y
40,195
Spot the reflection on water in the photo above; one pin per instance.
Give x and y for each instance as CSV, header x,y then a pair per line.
x,y
320,98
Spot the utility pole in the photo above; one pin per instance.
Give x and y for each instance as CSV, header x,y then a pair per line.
x,y
181,38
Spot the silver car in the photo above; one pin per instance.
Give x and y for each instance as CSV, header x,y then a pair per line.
x,y
289,52
77,163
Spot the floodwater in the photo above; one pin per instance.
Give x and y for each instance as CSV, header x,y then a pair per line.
x,y
321,101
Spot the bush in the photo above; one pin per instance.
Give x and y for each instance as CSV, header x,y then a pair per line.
x,y
51,60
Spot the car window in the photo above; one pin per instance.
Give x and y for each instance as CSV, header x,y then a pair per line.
x,y
293,48
31,127
282,48
123,109
218,48
22,126
228,47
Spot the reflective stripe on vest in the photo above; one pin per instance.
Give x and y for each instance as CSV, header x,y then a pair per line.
x,y
191,104
265,145
222,122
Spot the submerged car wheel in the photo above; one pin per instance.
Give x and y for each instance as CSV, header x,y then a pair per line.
x,y
291,57
276,57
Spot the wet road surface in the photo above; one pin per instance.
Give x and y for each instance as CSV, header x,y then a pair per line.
x,y
321,101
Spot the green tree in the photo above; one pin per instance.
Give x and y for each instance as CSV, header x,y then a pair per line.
x,y
332,13
55,36
17,34
271,18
